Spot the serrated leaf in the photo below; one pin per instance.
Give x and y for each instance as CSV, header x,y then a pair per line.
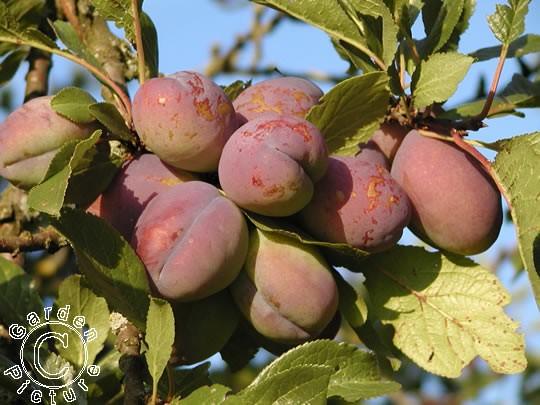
x,y
436,79
118,11
445,310
210,395
508,22
348,255
108,115
518,170
234,89
18,296
327,15
10,64
150,44
355,374
82,302
524,45
12,385
440,19
349,113
48,196
159,338
298,385
112,268
67,34
186,380
462,25
72,103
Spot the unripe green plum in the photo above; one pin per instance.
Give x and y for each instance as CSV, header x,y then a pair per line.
x,y
269,165
456,205
357,202
203,327
185,119
282,95
136,184
286,290
192,240
388,138
30,137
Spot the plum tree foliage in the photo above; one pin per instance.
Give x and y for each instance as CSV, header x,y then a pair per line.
x,y
208,219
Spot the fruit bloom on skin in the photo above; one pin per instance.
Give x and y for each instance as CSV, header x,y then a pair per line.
x,y
286,290
359,203
192,240
185,119
269,165
282,95
30,137
138,182
456,205
388,138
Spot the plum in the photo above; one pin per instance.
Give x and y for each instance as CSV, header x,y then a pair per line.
x,y
138,182
30,137
269,165
388,138
370,152
357,202
185,119
456,205
192,240
285,290
282,95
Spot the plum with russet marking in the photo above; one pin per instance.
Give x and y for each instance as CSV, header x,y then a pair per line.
x,y
185,119
359,203
286,290
282,95
29,139
138,182
269,165
192,240
456,205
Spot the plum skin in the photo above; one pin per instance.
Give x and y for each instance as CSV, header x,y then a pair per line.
x,y
29,139
270,164
185,119
192,241
282,95
359,203
134,186
286,290
456,205
389,137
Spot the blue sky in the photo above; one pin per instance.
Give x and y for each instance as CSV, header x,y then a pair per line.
x,y
187,29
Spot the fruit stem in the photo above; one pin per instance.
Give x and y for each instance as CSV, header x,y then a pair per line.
x,y
136,12
494,84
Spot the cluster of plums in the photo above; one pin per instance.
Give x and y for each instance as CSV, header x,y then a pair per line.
x,y
193,237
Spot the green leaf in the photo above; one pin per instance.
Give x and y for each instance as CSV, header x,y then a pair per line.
x,y
186,380
445,310
355,374
524,45
234,89
327,15
440,19
48,196
108,115
72,103
462,25
212,395
349,113
436,79
298,385
159,338
518,170
67,34
82,302
11,63
110,265
118,11
18,296
12,385
508,22
150,44
346,254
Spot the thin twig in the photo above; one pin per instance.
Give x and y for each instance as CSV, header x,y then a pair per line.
x,y
70,12
136,10
44,239
494,84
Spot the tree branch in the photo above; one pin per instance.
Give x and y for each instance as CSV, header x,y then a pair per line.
x,y
37,78
44,239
